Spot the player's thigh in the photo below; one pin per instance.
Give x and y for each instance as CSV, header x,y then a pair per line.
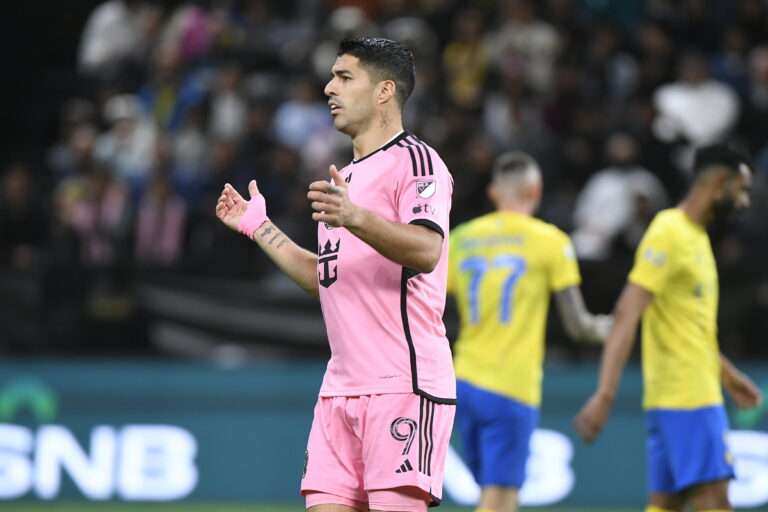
x,y
505,440
709,496
674,502
400,499
468,423
405,443
660,478
697,449
334,462
334,508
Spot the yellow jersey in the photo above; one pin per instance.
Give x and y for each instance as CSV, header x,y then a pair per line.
x,y
681,358
502,268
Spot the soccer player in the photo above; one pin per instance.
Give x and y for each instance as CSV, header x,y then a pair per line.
x,y
674,286
503,268
384,416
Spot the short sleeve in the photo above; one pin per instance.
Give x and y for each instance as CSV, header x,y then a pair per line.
x,y
653,259
564,269
423,194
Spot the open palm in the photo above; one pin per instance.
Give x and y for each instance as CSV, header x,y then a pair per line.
x,y
231,207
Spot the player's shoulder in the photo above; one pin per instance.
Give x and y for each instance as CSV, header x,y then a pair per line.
x,y
417,157
668,221
474,227
530,226
547,232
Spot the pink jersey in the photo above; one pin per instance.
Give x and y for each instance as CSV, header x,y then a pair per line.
x,y
384,321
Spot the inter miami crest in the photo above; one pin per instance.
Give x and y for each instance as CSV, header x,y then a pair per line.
x,y
326,254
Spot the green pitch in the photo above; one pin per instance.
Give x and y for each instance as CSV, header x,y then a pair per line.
x,y
109,507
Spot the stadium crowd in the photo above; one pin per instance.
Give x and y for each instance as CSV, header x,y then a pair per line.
x,y
177,98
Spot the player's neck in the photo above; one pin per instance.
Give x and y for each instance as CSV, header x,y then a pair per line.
x,y
518,207
697,205
376,135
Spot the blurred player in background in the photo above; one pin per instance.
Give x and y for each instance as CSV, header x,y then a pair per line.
x,y
384,416
503,268
674,286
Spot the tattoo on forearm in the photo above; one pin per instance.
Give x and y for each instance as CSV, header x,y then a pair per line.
x,y
267,230
277,236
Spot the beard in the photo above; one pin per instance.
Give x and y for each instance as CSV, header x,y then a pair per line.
x,y
723,215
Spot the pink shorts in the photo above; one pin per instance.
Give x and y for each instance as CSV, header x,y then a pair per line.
x,y
360,445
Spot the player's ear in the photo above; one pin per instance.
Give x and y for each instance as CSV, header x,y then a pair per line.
x,y
493,193
720,182
386,90
535,190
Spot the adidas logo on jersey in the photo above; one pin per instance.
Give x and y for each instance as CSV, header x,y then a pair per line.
x,y
405,467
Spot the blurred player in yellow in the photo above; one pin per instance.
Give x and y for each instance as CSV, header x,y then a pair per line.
x,y
503,266
674,286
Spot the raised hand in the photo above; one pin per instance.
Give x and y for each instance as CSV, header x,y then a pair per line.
x,y
331,203
241,215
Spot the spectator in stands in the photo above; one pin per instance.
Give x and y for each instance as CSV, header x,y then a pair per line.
x,y
617,202
161,223
752,17
555,78
466,59
523,40
656,54
118,33
611,73
300,115
731,63
695,108
755,117
95,208
75,139
127,146
23,222
68,156
190,149
169,93
228,109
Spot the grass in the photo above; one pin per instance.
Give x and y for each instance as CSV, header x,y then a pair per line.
x,y
188,507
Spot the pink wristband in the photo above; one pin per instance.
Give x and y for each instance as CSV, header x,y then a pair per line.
x,y
255,215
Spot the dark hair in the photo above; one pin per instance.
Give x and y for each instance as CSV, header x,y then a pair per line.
x,y
388,59
725,154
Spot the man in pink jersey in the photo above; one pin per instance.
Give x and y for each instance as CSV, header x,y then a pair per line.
x,y
383,419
